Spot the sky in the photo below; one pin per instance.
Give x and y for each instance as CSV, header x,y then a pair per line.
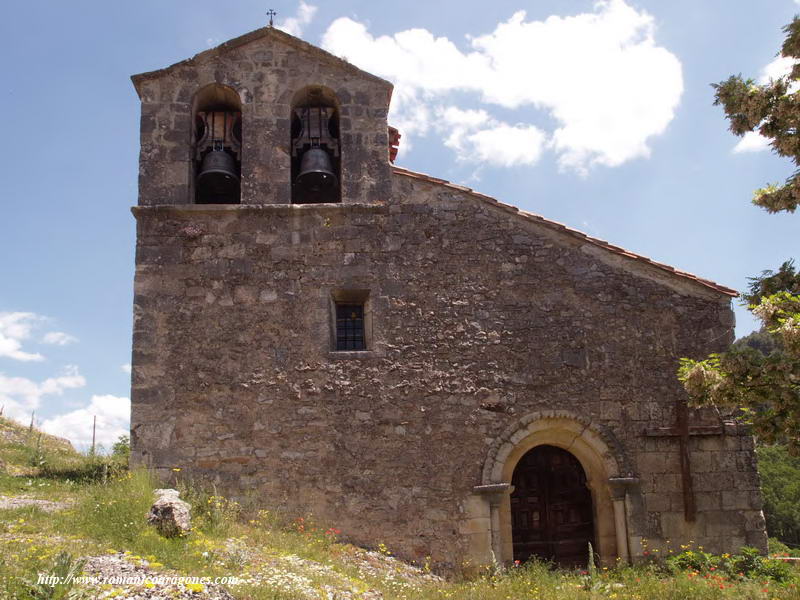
x,y
598,115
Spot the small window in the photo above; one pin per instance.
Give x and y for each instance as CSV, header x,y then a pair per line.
x,y
350,327
351,321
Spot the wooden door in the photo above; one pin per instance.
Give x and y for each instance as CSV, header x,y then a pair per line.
x,y
551,508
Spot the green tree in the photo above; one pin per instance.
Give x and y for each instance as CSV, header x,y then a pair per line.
x,y
780,484
122,448
764,383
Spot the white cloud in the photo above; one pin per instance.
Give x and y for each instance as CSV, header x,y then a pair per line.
x,y
752,141
475,136
58,338
14,328
776,69
294,25
599,75
126,367
20,396
113,420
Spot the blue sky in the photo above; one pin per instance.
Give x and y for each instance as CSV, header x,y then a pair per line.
x,y
597,115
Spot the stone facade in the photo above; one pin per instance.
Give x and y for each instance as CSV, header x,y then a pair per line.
x,y
490,331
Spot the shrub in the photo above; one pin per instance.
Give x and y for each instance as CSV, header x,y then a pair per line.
x,y
692,560
777,547
84,469
747,564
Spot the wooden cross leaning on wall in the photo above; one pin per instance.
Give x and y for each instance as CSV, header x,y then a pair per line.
x,y
682,430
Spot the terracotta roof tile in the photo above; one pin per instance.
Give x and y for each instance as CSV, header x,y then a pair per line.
x,y
394,142
574,232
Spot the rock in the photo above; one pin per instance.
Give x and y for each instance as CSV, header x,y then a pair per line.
x,y
169,514
145,583
14,502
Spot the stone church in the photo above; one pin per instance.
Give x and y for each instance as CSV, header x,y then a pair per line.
x,y
319,331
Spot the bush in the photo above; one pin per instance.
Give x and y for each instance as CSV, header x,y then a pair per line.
x,y
693,560
747,564
85,469
777,547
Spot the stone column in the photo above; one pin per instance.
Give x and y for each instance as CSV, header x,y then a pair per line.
x,y
619,492
494,494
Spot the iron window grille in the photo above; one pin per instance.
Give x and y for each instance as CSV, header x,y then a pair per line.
x,y
350,327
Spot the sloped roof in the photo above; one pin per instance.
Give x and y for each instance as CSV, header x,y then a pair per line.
x,y
568,230
258,34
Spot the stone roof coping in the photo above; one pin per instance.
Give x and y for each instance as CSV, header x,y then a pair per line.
x,y
199,209
569,230
252,36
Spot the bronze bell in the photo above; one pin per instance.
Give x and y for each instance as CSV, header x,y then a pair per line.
x,y
316,173
218,162
218,182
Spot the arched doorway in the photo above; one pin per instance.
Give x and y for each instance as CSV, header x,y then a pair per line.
x,y
552,516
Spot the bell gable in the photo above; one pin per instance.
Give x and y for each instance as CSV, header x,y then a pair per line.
x,y
272,89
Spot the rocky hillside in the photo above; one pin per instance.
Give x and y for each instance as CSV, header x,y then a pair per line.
x,y
21,447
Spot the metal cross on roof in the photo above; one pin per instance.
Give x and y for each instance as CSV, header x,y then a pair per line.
x,y
271,13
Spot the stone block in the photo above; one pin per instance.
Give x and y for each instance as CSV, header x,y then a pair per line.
x,y
658,502
708,501
753,520
736,500
652,462
712,482
721,524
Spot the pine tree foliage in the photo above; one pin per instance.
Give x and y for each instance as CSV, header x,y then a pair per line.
x,y
773,110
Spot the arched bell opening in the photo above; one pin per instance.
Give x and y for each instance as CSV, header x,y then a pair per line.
x,y
217,143
316,151
552,514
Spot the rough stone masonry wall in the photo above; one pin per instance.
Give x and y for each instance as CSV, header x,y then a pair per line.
x,y
479,318
266,72
726,487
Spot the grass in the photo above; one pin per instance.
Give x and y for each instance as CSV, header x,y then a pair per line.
x,y
109,518
283,560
